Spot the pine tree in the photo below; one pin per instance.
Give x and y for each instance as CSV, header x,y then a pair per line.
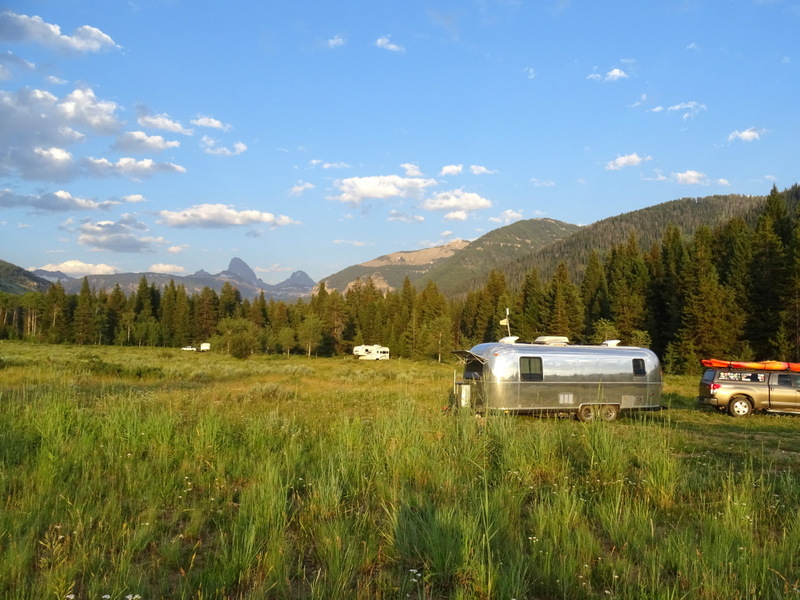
x,y
562,310
769,289
628,282
594,291
711,322
57,314
83,318
667,290
206,314
529,307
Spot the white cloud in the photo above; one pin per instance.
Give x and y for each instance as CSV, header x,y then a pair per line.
x,y
300,187
629,160
748,135
82,107
59,201
396,215
357,189
164,268
22,28
219,216
690,109
690,178
211,122
529,72
351,243
456,215
78,268
614,74
451,170
385,43
336,41
162,121
273,268
507,217
209,146
456,200
480,170
411,170
118,236
133,198
316,162
136,169
139,141
543,182
177,249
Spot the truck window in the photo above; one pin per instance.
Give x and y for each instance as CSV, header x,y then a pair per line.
x,y
638,367
785,380
530,368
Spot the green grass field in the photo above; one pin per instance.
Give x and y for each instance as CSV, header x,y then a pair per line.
x,y
154,473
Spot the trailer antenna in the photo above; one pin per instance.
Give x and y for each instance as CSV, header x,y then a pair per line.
x,y
506,323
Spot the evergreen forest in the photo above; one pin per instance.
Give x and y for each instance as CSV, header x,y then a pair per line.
x,y
730,291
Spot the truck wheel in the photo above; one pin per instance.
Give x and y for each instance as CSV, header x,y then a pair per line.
x,y
609,412
739,407
586,413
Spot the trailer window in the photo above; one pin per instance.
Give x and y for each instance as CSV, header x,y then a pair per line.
x,y
530,368
638,367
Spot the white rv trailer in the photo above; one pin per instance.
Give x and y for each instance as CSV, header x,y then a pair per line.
x,y
373,352
550,376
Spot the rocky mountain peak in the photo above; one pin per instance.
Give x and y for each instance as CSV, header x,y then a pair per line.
x,y
241,269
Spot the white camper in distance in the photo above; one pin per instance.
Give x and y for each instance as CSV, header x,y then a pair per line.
x,y
374,352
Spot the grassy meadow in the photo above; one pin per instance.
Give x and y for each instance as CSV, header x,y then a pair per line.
x,y
145,473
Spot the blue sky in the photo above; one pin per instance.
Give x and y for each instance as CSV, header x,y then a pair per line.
x,y
173,135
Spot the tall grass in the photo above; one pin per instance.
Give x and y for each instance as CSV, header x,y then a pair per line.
x,y
312,478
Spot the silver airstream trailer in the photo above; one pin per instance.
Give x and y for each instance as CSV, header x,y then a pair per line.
x,y
551,376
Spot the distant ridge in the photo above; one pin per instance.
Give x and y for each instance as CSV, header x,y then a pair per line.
x,y
450,265
238,274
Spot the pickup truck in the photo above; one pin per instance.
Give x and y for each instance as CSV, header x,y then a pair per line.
x,y
740,392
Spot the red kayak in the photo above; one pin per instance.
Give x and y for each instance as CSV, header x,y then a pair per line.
x,y
764,365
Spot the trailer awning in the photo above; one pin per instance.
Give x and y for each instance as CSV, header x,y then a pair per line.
x,y
466,356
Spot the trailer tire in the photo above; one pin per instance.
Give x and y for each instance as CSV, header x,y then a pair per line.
x,y
587,413
739,406
609,412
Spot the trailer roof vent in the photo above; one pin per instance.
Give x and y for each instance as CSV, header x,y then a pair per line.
x,y
551,340
610,343
512,339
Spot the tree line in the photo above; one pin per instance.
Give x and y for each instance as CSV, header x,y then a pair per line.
x,y
732,291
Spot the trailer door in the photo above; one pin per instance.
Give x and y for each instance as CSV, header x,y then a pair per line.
x,y
531,375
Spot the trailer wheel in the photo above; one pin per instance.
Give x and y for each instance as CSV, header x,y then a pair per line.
x,y
586,413
739,406
609,412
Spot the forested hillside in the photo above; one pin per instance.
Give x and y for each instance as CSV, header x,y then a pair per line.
x,y
730,291
648,224
473,263
16,280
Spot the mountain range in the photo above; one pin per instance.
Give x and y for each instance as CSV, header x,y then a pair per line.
x,y
457,267
238,274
